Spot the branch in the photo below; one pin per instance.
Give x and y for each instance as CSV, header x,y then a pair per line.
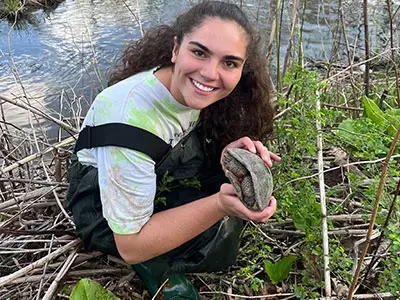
x,y
29,158
9,278
325,238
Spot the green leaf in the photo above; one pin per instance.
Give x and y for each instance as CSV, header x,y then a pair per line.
x,y
393,117
348,132
372,111
279,271
88,289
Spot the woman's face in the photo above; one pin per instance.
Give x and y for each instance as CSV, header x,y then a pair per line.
x,y
208,63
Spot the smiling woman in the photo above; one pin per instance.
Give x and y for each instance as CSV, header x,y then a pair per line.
x,y
208,63
181,96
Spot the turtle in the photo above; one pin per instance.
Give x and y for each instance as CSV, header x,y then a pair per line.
x,y
250,177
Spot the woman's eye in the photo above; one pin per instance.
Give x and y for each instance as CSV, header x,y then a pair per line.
x,y
198,53
230,64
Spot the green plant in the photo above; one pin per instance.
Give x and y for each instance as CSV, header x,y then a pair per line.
x,y
389,279
167,183
87,289
366,137
370,136
279,271
12,6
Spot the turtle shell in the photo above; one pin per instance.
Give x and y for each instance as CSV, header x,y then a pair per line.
x,y
249,175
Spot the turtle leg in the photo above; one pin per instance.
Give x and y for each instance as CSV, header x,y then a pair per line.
x,y
249,197
235,182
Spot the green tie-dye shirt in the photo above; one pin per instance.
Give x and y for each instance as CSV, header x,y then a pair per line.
x,y
127,178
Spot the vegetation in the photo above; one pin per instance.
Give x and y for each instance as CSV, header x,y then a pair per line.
x,y
17,11
336,229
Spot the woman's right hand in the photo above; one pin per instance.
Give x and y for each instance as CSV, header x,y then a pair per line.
x,y
231,205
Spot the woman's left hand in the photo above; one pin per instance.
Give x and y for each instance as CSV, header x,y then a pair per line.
x,y
255,147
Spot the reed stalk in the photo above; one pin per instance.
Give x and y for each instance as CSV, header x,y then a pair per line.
x,y
367,50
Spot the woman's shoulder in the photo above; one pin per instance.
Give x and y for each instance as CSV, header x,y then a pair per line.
x,y
125,86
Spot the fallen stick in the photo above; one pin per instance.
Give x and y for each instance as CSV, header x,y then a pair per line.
x,y
41,192
30,181
9,278
72,274
29,158
323,202
54,285
40,113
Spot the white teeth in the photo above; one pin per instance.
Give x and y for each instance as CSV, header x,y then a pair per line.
x,y
202,87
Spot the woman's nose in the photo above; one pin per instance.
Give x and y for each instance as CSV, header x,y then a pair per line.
x,y
209,71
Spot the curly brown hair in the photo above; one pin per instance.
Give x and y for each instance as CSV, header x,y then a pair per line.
x,y
247,111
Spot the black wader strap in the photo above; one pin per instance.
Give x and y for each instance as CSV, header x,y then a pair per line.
x,y
122,135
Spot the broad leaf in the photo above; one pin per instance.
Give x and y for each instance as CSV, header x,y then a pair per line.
x,y
279,271
372,111
88,289
348,132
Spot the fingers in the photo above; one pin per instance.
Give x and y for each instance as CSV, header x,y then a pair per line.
x,y
244,142
264,215
255,147
263,153
228,189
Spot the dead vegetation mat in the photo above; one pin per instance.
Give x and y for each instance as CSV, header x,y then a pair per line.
x,y
41,258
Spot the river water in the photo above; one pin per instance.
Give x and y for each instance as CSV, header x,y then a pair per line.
x,y
62,59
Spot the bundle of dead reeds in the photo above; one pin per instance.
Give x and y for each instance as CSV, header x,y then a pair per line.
x,y
38,247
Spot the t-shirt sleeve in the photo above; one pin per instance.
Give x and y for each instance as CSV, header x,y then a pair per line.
x,y
127,183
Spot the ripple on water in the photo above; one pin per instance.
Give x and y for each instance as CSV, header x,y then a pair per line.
x,y
61,54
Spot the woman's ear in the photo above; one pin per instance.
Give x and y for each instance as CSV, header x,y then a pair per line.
x,y
175,50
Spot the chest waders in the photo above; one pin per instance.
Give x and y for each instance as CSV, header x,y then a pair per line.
x,y
213,250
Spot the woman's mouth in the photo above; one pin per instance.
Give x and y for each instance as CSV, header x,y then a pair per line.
x,y
202,87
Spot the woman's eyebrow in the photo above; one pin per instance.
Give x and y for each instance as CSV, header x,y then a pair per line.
x,y
205,49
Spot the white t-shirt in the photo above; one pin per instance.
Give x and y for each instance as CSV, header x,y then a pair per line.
x,y
127,178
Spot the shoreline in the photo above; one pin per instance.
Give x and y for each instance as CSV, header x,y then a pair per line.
x,y
16,10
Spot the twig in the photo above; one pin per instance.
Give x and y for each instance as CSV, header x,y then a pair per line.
x,y
248,297
295,8
393,54
388,217
272,36
338,167
37,193
74,274
9,278
367,52
34,110
159,289
357,64
66,142
53,287
349,56
366,296
344,107
137,18
346,232
374,213
325,238
31,181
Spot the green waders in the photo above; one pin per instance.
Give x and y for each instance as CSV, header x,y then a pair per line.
x,y
213,250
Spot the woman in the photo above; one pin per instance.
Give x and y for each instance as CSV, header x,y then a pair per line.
x,y
200,84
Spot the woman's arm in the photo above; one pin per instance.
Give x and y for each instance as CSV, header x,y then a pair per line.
x,y
169,229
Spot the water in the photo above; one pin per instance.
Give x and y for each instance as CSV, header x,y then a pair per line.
x,y
62,61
